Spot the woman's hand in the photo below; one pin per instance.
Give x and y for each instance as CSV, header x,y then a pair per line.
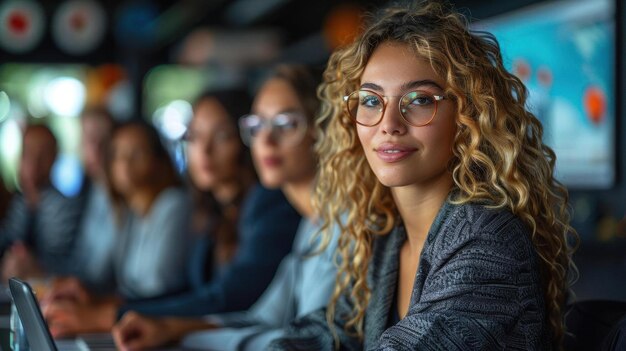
x,y
67,318
137,332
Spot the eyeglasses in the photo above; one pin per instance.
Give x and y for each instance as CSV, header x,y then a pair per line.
x,y
285,128
417,108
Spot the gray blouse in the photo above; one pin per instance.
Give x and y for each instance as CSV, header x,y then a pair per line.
x,y
150,257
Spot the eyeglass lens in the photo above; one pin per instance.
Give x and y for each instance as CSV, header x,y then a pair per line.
x,y
285,128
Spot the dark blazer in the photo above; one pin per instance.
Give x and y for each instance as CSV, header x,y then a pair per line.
x,y
49,230
267,227
477,288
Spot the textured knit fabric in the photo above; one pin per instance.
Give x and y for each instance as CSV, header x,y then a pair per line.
x,y
477,288
49,230
267,226
304,283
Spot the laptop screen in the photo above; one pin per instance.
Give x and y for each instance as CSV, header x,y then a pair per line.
x,y
35,326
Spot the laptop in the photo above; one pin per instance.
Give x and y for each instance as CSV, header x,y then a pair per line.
x,y
36,329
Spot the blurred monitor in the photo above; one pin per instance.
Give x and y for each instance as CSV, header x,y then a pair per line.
x,y
564,51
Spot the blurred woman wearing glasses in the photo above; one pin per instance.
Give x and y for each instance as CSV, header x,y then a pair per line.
x,y
281,137
457,231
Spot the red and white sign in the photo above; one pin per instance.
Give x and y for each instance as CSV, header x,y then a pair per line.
x,y
78,26
21,25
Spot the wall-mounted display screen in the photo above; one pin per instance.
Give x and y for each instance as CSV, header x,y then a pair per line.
x,y
564,52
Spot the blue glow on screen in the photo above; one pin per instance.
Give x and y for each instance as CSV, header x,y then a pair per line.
x,y
565,54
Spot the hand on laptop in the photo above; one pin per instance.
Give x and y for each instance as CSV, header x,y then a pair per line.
x,y
67,318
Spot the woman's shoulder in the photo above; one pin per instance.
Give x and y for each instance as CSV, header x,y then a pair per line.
x,y
259,196
478,219
172,199
481,227
314,236
175,193
264,203
265,214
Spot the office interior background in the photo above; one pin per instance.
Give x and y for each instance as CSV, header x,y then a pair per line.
x,y
149,59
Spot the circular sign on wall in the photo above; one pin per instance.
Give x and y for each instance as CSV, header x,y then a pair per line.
x,y
22,25
78,26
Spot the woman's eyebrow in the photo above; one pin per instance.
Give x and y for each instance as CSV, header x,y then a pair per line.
x,y
420,83
406,86
372,86
289,110
285,110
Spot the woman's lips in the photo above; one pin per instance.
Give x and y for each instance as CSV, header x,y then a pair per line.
x,y
390,153
271,161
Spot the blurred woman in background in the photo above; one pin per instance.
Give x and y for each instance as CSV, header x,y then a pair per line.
x,y
153,210
152,214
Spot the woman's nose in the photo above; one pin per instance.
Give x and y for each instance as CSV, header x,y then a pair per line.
x,y
392,121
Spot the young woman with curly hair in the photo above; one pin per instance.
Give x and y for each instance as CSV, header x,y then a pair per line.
x,y
457,231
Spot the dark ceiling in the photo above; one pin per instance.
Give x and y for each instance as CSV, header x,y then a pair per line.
x,y
159,25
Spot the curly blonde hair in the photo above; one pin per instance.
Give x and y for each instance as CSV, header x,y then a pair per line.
x,y
498,153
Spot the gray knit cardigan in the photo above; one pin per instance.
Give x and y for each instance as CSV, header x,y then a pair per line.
x,y
477,287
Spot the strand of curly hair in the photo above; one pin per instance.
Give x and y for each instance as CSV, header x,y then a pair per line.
x,y
499,155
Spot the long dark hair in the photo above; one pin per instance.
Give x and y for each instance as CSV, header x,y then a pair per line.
x,y
210,216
